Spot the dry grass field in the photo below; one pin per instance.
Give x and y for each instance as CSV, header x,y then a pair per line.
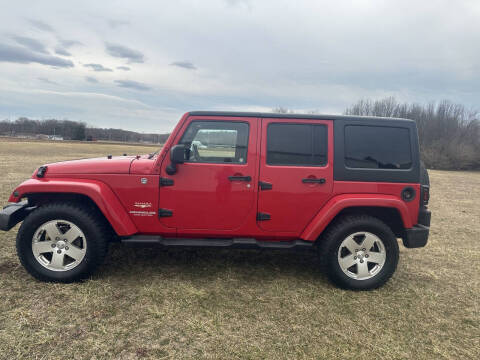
x,y
231,304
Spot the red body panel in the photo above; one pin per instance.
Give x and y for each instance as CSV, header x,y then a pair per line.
x,y
203,198
206,204
340,202
291,203
99,192
116,165
142,165
377,189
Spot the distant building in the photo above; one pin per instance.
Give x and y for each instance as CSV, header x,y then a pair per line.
x,y
55,137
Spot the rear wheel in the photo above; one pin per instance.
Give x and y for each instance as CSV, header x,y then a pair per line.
x,y
359,252
62,242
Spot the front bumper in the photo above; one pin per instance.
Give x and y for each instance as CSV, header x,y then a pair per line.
x,y
12,214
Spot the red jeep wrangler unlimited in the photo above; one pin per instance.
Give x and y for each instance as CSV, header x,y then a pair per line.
x,y
345,186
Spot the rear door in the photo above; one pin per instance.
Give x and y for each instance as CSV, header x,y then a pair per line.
x,y
296,173
213,189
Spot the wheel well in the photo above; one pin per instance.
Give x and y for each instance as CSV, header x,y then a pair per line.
x,y
40,199
390,216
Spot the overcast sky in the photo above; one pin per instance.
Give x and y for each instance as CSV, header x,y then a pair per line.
x,y
139,65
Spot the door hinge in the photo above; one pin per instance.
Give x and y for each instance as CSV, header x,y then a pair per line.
x,y
265,185
165,213
166,182
263,216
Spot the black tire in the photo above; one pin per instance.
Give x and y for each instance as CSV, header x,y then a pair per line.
x,y
332,239
93,227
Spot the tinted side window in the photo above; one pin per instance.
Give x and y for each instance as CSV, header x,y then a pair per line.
x,y
377,147
296,144
216,142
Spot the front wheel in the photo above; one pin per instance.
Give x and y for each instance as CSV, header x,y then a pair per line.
x,y
360,252
62,242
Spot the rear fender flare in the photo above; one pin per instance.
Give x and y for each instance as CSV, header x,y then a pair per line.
x,y
341,202
100,193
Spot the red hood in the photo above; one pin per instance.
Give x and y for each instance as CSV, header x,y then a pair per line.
x,y
115,165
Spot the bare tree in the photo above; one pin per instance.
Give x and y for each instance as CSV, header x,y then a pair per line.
x,y
449,133
282,110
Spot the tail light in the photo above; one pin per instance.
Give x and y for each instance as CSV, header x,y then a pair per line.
x,y
425,194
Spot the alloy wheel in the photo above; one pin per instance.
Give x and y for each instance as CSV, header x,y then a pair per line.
x,y
361,255
59,245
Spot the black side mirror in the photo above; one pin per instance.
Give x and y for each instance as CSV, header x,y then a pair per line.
x,y
177,156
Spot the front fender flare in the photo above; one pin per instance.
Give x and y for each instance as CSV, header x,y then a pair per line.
x,y
338,203
100,193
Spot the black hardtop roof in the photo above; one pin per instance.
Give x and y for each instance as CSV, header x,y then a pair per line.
x,y
293,116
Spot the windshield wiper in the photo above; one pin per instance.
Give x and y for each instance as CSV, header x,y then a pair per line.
x,y
153,154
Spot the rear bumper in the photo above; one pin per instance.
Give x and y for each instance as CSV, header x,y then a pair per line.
x,y
424,216
12,214
417,236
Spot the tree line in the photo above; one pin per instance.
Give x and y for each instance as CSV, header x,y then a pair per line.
x,y
73,130
449,133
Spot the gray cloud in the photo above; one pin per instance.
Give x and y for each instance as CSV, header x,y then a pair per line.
x,y
120,51
91,79
132,85
47,81
30,43
297,63
184,64
97,67
69,43
62,51
20,55
247,3
125,68
116,23
40,25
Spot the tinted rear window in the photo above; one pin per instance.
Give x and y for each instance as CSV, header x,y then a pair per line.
x,y
296,144
377,147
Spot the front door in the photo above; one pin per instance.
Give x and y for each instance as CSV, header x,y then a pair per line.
x,y
214,188
296,173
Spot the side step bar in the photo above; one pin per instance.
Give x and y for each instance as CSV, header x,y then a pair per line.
x,y
238,243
